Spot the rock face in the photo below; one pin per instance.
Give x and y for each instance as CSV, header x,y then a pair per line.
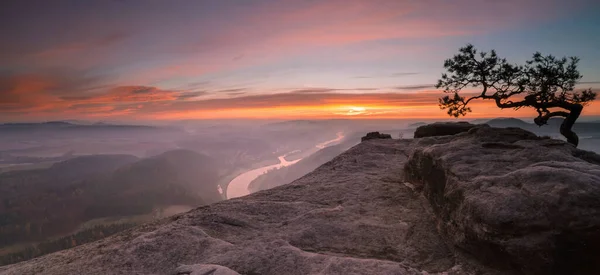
x,y
442,129
512,199
375,135
486,201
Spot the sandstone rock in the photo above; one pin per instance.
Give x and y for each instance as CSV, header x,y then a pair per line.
x,y
512,199
204,269
442,129
375,135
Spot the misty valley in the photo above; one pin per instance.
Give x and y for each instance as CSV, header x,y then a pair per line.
x,y
66,183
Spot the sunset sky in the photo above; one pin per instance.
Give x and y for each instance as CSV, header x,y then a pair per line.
x,y
146,60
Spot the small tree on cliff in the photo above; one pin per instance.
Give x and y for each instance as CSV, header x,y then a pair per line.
x,y
545,83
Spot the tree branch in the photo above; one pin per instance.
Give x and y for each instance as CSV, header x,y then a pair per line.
x,y
543,119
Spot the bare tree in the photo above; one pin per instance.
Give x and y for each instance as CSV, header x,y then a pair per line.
x,y
545,83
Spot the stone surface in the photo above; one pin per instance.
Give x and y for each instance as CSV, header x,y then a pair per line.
x,y
204,269
512,199
485,201
375,135
442,129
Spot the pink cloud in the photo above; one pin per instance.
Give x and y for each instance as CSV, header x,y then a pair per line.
x,y
284,29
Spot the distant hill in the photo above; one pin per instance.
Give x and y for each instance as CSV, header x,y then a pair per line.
x,y
301,122
416,124
81,167
39,204
63,125
479,121
508,122
294,123
172,178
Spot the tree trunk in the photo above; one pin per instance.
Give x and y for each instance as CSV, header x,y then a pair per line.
x,y
567,125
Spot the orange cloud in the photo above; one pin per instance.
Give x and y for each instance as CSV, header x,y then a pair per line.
x,y
331,105
128,94
27,93
43,97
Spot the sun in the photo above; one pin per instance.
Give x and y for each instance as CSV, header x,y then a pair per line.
x,y
357,109
354,110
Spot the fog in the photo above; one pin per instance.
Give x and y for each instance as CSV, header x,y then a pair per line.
x,y
240,144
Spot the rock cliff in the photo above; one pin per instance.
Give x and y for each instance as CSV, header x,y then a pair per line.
x,y
483,201
512,199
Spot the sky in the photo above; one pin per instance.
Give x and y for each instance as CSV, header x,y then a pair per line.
x,y
283,59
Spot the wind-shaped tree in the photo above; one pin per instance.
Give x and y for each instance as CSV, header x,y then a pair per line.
x,y
545,83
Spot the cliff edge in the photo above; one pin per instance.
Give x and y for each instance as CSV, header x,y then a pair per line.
x,y
482,201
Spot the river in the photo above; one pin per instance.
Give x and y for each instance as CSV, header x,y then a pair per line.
x,y
340,136
238,187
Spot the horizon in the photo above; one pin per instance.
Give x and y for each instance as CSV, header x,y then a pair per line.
x,y
276,120
136,61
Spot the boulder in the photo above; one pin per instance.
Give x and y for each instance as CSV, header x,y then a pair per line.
x,y
513,200
375,135
443,129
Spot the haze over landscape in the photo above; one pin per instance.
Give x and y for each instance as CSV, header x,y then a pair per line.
x,y
119,117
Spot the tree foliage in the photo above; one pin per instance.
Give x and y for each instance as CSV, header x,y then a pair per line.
x,y
545,83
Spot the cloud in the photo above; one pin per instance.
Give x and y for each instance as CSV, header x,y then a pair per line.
x,y
76,47
329,90
191,95
238,57
62,92
312,90
231,91
241,92
137,94
275,31
302,25
161,43
40,91
403,74
387,75
415,87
